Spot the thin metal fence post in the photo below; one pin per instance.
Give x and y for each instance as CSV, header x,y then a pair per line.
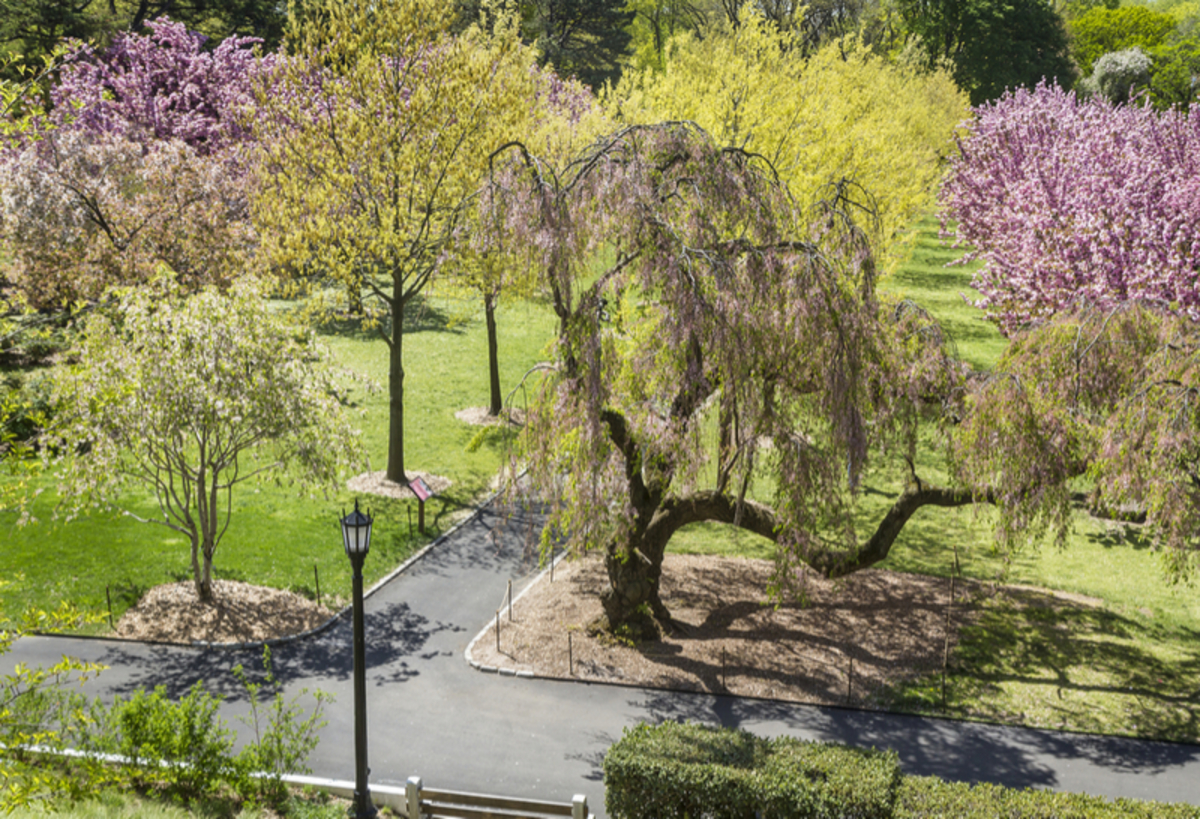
x,y
850,681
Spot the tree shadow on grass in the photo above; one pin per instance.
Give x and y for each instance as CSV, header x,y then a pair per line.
x,y
420,315
1120,535
1078,667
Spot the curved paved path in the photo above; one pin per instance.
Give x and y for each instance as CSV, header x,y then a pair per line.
x,y
430,714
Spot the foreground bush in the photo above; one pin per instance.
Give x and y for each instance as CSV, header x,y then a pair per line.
x,y
178,748
927,797
678,770
674,770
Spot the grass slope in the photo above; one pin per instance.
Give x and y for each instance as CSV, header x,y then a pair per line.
x,y
1125,663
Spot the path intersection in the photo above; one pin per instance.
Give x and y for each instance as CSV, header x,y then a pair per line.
x,y
430,714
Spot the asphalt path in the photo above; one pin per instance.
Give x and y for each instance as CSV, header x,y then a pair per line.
x,y
431,714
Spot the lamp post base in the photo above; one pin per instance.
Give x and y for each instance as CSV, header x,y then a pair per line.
x,y
363,807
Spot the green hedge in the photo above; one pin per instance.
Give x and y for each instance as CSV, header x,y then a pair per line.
x,y
674,770
688,771
927,797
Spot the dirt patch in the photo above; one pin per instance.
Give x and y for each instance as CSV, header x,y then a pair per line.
x,y
239,613
851,638
479,417
377,483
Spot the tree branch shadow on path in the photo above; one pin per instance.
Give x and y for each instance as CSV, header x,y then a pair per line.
x,y
397,635
594,759
961,751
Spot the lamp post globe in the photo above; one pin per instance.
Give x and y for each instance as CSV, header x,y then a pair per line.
x,y
356,537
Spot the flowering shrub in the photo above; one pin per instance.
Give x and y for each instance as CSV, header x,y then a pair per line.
x,y
1119,74
1066,199
163,86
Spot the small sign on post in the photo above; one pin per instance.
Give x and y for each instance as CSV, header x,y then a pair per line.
x,y
423,493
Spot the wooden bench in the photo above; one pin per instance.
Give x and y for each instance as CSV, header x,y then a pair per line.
x,y
426,803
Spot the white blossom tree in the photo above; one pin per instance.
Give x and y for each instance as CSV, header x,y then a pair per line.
x,y
191,396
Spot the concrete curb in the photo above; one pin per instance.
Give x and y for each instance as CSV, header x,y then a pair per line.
x,y
491,669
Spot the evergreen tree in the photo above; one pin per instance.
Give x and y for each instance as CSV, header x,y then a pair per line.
x,y
581,38
993,45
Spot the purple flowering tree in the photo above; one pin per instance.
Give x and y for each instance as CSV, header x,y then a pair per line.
x,y
139,164
1065,200
163,85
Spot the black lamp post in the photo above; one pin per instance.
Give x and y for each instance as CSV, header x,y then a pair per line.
x,y
356,534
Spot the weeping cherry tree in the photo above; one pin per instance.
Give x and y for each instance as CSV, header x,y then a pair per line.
x,y
721,307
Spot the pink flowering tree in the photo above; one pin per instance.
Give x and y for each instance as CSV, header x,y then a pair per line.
x,y
162,86
719,306
1065,199
139,164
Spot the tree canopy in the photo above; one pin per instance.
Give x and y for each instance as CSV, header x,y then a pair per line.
x,y
36,28
722,304
1066,199
373,140
844,112
1103,30
138,164
993,45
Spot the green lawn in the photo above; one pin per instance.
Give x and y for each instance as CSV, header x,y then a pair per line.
x,y
277,536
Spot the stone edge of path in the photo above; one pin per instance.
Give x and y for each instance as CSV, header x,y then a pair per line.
x,y
509,672
312,632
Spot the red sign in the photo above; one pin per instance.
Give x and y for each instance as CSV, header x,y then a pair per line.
x,y
420,489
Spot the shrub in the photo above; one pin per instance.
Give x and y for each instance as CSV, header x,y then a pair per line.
x,y
675,770
182,742
283,737
927,797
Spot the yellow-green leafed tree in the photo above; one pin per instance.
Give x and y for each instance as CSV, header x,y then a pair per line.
x,y
375,134
843,113
564,119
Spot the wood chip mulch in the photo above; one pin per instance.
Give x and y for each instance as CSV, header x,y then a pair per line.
x,y
239,613
852,638
480,417
377,483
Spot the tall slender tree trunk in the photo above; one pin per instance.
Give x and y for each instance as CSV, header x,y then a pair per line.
x,y
395,463
489,311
